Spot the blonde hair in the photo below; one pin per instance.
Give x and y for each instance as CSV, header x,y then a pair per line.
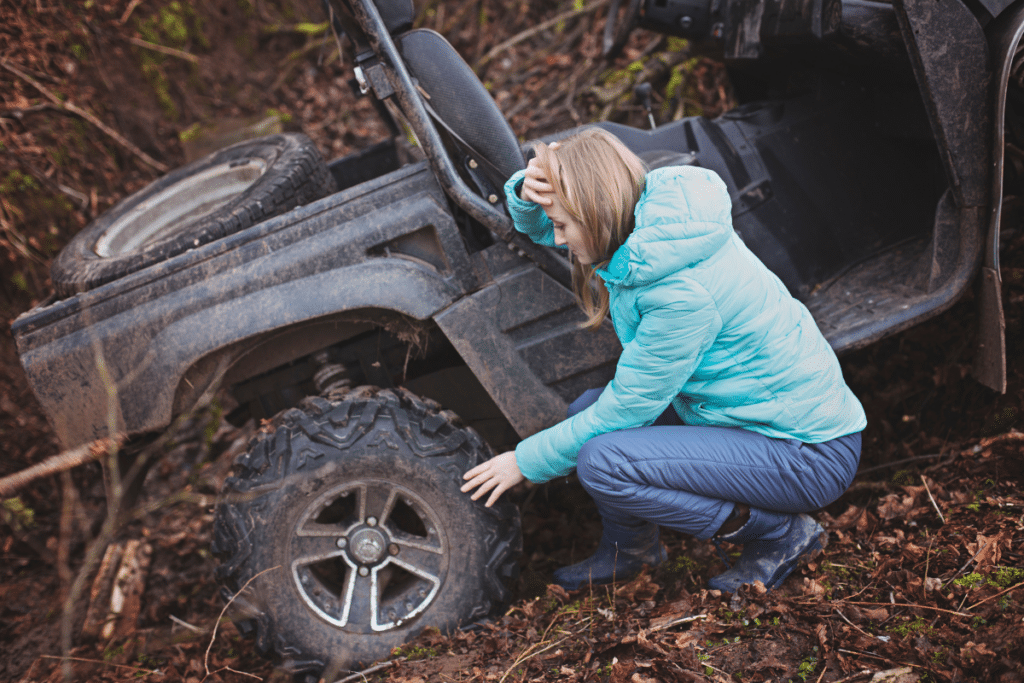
x,y
598,181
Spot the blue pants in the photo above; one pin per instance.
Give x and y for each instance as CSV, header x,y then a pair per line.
x,y
690,478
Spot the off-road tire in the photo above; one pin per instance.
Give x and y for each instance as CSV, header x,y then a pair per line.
x,y
327,467
218,195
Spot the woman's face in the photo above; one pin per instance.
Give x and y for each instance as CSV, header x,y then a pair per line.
x,y
567,230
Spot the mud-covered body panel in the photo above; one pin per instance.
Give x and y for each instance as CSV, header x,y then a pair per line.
x,y
114,357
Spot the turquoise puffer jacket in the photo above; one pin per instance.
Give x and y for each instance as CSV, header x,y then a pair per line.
x,y
704,325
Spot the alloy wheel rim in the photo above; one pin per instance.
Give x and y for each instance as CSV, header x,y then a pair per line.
x,y
368,556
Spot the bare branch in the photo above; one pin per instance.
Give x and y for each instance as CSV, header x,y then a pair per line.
x,y
58,463
180,54
213,636
542,26
91,118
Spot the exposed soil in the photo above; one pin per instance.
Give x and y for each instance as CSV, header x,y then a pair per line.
x,y
922,579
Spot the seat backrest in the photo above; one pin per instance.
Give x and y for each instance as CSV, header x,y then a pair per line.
x,y
398,15
459,99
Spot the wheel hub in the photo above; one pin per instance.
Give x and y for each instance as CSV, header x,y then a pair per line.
x,y
368,555
368,546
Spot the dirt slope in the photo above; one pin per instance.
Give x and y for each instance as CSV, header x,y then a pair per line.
x,y
923,570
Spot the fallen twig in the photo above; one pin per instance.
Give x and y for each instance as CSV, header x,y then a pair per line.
x,y
534,30
993,597
56,464
843,617
674,622
1008,436
182,622
372,670
924,480
905,604
884,659
524,657
75,109
180,54
137,669
213,636
128,11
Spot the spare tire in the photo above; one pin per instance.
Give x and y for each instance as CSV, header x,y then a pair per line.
x,y
220,194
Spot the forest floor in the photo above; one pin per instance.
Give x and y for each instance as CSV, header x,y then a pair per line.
x,y
922,579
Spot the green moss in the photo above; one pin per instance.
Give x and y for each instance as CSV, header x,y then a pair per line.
x,y
1005,577
807,667
683,563
918,625
16,181
676,44
675,80
282,116
15,514
153,72
412,652
970,581
174,25
190,133
311,29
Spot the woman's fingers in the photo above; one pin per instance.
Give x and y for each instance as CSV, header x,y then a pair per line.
x,y
497,475
482,477
504,486
482,467
535,184
542,198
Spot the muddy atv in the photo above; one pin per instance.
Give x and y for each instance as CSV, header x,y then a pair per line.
x,y
390,329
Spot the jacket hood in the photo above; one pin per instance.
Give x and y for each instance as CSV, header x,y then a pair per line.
x,y
682,218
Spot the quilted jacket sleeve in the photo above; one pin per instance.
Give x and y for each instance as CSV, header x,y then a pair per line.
x,y
528,217
678,323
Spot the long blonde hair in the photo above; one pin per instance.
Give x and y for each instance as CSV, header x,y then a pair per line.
x,y
598,181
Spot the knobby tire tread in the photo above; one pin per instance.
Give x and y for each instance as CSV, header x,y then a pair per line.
x,y
339,421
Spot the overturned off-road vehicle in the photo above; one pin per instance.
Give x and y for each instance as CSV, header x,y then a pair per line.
x,y
390,328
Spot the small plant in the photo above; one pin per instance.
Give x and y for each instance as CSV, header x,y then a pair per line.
x,y
1005,577
414,652
16,514
970,581
807,667
683,563
918,625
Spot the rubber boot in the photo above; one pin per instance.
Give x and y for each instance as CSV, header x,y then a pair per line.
x,y
621,554
774,544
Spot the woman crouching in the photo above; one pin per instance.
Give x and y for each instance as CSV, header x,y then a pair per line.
x,y
727,418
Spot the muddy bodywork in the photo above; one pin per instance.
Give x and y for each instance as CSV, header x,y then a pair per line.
x,y
873,190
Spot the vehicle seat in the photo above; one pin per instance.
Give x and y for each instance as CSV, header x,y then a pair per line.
x,y
464,108
397,15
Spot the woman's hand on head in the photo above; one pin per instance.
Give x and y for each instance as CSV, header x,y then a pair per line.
x,y
497,475
536,187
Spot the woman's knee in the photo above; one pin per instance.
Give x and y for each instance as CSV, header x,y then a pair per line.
x,y
595,465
